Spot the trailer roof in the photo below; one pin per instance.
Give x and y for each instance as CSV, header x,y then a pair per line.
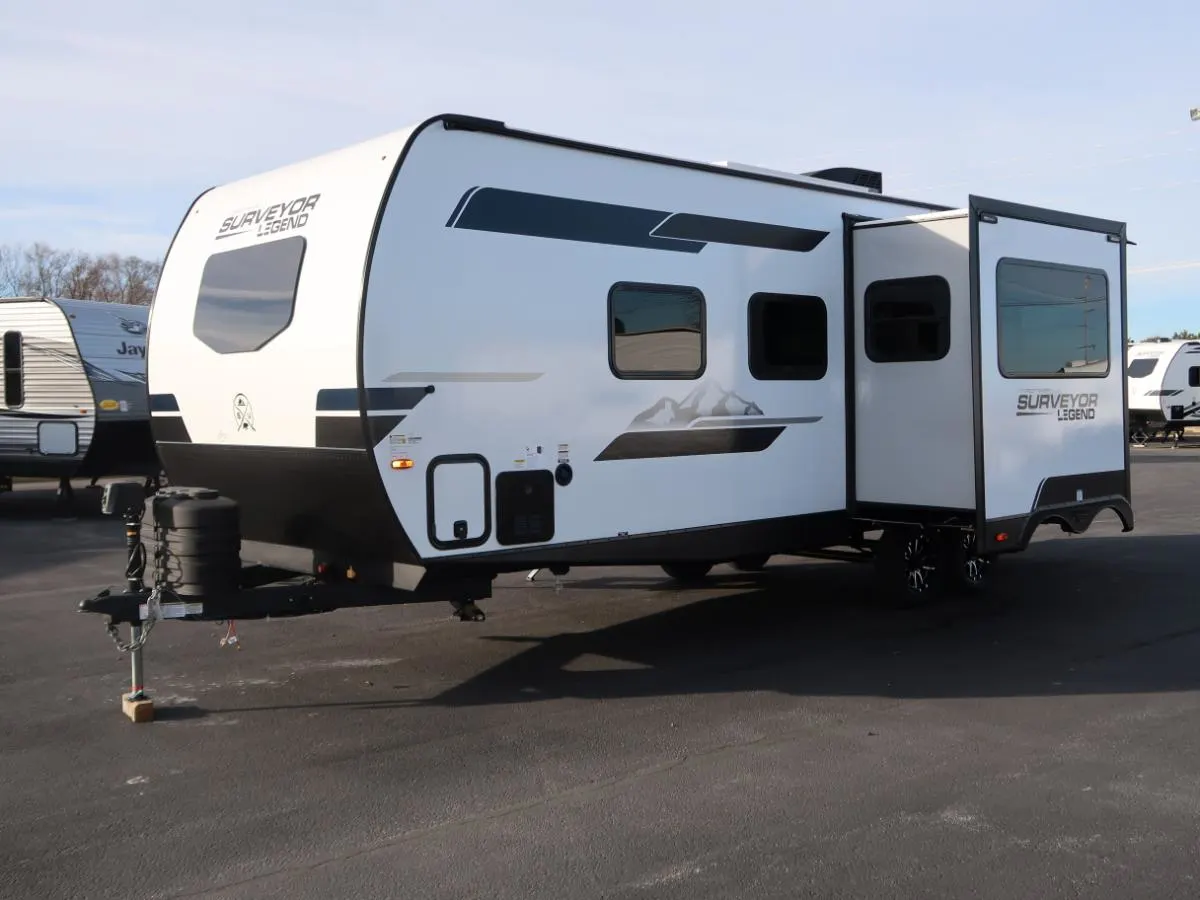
x,y
736,170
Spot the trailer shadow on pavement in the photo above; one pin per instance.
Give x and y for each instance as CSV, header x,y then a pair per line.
x,y
1080,616
39,503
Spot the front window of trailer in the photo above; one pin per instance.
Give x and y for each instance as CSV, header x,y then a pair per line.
x,y
1141,367
248,295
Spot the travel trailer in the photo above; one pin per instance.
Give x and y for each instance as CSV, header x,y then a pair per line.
x,y
1164,387
74,403
462,349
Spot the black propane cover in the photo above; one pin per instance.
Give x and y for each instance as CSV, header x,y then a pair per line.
x,y
196,535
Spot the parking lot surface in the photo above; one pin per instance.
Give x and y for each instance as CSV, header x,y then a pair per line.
x,y
612,736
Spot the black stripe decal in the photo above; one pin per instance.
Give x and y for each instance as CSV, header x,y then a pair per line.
x,y
345,432
462,201
381,426
346,399
743,233
1059,490
689,442
539,215
30,414
163,403
169,430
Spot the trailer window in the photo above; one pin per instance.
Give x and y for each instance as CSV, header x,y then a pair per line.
x,y
14,369
247,296
1194,376
1052,320
907,319
1141,367
789,340
655,331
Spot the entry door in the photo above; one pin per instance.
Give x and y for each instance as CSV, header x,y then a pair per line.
x,y
1052,361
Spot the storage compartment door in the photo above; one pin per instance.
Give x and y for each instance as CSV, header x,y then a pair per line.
x,y
57,438
1051,305
459,501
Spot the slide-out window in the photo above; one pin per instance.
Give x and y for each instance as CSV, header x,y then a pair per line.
x,y
1052,320
907,319
14,369
1142,366
655,331
789,339
247,296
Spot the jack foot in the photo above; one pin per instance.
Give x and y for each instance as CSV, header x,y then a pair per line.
x,y
138,707
467,611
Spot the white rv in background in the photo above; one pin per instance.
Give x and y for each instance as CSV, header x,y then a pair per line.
x,y
1164,386
462,349
74,401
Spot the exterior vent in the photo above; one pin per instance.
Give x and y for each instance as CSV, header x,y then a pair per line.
x,y
865,178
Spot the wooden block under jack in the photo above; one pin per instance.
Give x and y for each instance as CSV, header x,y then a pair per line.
x,y
139,709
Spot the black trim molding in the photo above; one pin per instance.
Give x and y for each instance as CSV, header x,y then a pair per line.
x,y
327,500
706,543
1070,501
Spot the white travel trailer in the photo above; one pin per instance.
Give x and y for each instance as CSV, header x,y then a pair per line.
x,y
74,402
1164,386
461,349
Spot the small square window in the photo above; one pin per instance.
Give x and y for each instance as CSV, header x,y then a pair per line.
x,y
789,339
907,319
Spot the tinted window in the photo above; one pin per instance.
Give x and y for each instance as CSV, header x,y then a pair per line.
x,y
907,319
1194,376
1140,368
788,337
14,372
247,295
656,331
1052,320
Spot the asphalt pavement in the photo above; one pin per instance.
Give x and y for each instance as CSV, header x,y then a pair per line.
x,y
612,736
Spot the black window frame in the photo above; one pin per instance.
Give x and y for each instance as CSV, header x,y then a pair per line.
x,y
1061,267
663,374
941,301
1152,360
294,286
760,368
1193,376
11,371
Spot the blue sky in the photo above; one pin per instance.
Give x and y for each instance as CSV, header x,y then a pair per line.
x,y
118,113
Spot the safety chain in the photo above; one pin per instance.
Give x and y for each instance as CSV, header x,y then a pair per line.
x,y
153,614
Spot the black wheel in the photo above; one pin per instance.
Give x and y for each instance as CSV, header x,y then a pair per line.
x,y
963,568
751,563
908,563
687,572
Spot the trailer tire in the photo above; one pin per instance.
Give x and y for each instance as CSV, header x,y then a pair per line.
x,y
751,563
687,572
964,571
909,566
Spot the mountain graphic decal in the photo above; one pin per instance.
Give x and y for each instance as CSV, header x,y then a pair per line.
x,y
704,402
709,420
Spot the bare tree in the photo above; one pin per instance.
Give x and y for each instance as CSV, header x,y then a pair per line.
x,y
42,270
